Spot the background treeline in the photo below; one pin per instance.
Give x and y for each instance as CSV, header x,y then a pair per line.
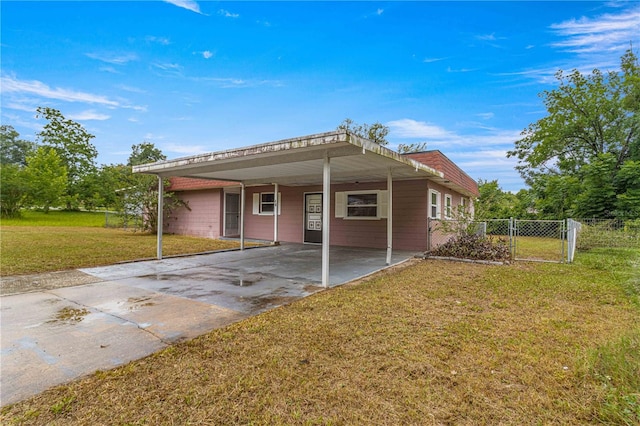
x,y
581,160
59,170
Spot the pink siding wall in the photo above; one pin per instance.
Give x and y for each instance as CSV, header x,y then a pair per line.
x,y
203,220
410,207
409,221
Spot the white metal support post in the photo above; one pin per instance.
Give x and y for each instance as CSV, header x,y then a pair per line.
x,y
389,216
242,197
276,208
160,217
326,201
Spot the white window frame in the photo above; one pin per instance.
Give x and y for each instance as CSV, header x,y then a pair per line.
x,y
381,205
437,206
448,206
258,204
464,204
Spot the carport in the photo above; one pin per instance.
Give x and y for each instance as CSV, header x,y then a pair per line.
x,y
320,159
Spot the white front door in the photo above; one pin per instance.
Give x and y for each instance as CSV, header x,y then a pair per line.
x,y
313,218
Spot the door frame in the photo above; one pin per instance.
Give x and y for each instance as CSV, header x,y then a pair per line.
x,y
234,191
304,216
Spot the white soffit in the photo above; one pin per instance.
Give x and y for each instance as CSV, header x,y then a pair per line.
x,y
297,161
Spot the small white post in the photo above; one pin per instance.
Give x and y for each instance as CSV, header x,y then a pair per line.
x,y
159,223
326,201
276,207
242,197
389,216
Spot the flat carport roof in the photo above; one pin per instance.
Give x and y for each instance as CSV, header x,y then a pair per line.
x,y
326,158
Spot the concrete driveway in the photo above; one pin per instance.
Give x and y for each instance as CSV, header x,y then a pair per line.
x,y
128,311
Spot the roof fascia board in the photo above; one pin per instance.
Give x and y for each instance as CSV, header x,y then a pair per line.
x,y
310,143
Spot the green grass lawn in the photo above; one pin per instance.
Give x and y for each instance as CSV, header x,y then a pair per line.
x,y
57,241
433,343
56,218
540,248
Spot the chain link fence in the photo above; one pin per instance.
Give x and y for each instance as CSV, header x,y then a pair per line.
x,y
132,221
542,240
594,233
532,240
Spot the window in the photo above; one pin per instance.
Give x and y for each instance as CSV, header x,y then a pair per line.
x,y
434,204
362,204
264,203
267,202
448,206
464,204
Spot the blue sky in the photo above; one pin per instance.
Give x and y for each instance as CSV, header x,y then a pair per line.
x,y
203,76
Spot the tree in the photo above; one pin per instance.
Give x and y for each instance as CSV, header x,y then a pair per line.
x,y
47,178
375,132
138,193
493,202
144,153
73,145
412,147
592,126
13,189
13,150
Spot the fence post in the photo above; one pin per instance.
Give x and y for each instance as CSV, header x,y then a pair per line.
x,y
562,240
428,234
512,244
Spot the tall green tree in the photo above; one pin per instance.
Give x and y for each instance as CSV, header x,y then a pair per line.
x,y
14,150
493,202
73,145
592,125
47,178
14,188
375,132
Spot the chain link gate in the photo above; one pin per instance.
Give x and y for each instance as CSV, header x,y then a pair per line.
x,y
539,240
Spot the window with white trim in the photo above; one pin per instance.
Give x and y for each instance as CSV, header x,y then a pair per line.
x,y
362,204
464,204
264,203
448,206
434,204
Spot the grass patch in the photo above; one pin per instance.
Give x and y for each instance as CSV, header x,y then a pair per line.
x,y
56,218
37,249
434,343
539,248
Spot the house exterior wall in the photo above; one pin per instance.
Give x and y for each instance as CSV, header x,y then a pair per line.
x,y
409,220
204,216
410,211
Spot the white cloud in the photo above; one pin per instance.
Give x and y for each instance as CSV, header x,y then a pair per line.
x,y
34,87
407,128
431,60
605,33
486,115
234,83
113,58
227,14
161,40
89,115
207,54
182,149
439,137
379,12
186,4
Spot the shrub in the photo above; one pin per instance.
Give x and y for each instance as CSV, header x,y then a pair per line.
x,y
476,247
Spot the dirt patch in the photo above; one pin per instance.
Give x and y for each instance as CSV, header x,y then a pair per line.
x,y
69,315
48,281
